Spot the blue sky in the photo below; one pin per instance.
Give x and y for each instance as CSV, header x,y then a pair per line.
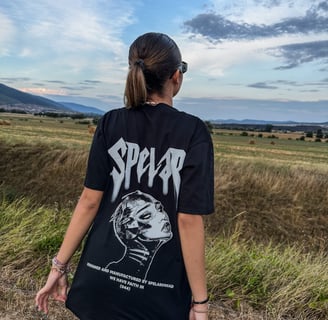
x,y
248,59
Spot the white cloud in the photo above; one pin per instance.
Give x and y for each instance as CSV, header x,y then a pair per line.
x,y
7,33
67,40
70,26
213,60
43,91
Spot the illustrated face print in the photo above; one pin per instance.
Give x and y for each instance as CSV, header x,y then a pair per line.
x,y
142,226
140,216
147,220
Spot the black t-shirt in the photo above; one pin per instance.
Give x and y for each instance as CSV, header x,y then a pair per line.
x,y
151,162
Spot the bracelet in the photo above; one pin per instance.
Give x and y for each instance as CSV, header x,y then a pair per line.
x,y
59,266
200,311
201,302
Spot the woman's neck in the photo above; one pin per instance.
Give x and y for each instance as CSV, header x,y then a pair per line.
x,y
155,99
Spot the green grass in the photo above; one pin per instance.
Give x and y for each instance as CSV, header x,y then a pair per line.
x,y
30,235
281,280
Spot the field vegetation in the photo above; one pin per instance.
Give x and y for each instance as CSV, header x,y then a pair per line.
x,y
267,241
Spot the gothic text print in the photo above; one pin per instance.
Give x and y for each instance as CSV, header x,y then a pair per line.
x,y
127,156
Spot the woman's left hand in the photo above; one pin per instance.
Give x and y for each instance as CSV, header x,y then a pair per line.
x,y
55,287
198,315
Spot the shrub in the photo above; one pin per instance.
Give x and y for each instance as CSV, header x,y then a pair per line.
x,y
83,122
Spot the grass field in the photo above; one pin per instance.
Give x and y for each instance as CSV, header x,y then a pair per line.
x,y
267,241
35,129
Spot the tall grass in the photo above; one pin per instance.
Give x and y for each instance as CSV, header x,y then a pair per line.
x,y
280,280
283,281
48,174
29,235
267,202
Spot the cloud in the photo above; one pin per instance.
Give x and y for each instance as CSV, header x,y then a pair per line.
x,y
7,33
91,82
56,81
60,28
300,53
323,6
239,109
262,85
42,91
69,40
288,84
71,88
219,27
15,79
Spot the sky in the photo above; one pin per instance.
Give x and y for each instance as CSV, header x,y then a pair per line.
x,y
247,59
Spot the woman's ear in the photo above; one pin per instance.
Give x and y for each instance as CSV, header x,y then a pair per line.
x,y
176,81
176,76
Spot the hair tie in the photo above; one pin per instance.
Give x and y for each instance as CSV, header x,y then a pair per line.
x,y
140,63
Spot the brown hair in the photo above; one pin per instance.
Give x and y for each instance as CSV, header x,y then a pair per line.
x,y
153,58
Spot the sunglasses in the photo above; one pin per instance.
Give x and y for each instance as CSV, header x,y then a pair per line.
x,y
183,67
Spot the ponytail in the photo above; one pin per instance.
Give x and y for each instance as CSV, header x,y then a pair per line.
x,y
135,88
153,57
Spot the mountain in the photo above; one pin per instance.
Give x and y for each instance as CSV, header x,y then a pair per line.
x,y
251,121
11,98
82,108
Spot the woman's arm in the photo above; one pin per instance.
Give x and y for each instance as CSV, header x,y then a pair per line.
x,y
83,216
191,230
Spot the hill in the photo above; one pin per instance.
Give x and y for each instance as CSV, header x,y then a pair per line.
x,y
12,99
15,100
264,122
82,108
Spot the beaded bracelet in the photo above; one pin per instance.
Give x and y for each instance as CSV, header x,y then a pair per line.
x,y
59,266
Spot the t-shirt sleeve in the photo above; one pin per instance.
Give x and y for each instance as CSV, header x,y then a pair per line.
x,y
197,178
97,173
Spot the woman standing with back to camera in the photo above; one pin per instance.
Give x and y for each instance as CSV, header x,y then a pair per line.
x,y
149,180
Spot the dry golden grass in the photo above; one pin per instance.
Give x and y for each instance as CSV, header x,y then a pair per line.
x,y
269,203
47,174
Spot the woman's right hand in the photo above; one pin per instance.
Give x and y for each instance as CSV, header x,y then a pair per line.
x,y
55,287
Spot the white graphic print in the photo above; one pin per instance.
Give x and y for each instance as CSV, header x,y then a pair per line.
x,y
142,226
127,156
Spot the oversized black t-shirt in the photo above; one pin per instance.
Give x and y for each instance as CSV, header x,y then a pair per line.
x,y
151,162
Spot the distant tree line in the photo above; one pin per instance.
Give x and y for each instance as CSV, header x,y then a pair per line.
x,y
13,111
50,114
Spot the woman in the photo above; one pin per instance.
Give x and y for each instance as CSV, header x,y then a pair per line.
x,y
149,181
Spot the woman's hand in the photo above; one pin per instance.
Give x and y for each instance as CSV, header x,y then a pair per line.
x,y
56,287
